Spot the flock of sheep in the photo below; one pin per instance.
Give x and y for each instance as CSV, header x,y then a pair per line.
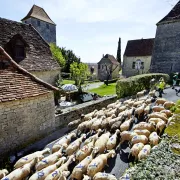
x,y
98,135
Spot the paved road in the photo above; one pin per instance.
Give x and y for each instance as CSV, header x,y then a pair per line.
x,y
117,165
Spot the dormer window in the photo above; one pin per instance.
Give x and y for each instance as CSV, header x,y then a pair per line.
x,y
19,51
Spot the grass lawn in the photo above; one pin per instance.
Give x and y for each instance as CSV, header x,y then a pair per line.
x,y
105,90
65,81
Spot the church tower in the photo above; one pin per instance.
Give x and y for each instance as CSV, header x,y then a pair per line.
x,y
42,23
166,51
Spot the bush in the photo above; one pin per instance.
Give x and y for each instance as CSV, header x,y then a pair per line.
x,y
132,85
111,81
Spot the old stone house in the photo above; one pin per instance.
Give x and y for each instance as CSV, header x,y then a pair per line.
x,y
166,57
26,106
40,20
25,45
137,57
93,69
108,65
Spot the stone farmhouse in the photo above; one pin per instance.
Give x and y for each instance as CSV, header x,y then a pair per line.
x,y
166,57
27,48
137,57
40,20
108,64
26,106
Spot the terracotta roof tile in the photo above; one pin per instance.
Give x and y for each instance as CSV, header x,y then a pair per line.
x,y
139,47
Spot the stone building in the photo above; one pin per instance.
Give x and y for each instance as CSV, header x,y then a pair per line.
x,y
26,106
137,57
93,66
24,44
108,65
166,57
40,20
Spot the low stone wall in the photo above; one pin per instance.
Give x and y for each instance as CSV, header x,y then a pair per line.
x,y
73,113
25,121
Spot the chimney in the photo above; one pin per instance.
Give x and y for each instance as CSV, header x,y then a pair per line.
x,y
103,55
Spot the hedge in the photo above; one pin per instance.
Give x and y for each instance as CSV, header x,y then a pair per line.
x,y
132,85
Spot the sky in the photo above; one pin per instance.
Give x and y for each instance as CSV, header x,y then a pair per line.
x,y
92,28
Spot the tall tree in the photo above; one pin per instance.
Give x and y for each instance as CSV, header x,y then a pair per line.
x,y
79,72
57,55
70,57
119,51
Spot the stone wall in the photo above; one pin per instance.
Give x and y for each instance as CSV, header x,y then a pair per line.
x,y
48,76
165,58
74,112
127,69
46,30
25,121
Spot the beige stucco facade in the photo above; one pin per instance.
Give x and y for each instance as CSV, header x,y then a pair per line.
x,y
48,76
128,69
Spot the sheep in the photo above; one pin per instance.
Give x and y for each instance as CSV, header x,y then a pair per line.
x,y
113,111
112,121
85,151
152,93
86,177
147,109
104,176
167,112
94,137
98,163
158,115
136,148
155,120
105,122
143,125
81,168
112,140
139,138
148,101
144,152
89,116
21,172
129,112
127,102
153,138
126,125
49,160
137,103
74,123
116,126
127,136
64,141
139,110
101,142
97,124
74,146
122,108
157,108
142,132
168,104
140,94
3,173
26,159
160,101
160,127
56,174
99,114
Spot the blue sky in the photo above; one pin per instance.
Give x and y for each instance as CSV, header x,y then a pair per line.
x,y
92,27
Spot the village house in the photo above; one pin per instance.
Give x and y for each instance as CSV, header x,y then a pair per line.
x,y
137,57
27,48
40,20
93,69
26,106
108,65
166,58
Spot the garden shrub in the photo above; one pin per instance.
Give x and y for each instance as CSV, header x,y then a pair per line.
x,y
132,85
111,81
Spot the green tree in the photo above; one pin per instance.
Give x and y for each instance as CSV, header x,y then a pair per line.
x,y
57,55
79,73
70,57
119,51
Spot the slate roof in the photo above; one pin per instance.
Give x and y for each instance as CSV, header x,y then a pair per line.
x,y
173,15
17,83
38,13
111,58
38,54
139,47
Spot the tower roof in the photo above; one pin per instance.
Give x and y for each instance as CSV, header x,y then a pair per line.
x,y
38,13
173,15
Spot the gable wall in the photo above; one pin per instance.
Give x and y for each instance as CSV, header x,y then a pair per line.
x,y
127,69
48,34
166,52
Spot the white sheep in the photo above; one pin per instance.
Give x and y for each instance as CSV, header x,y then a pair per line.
x,y
104,176
126,125
168,104
112,140
144,152
140,94
157,108
136,148
160,101
142,132
139,139
167,112
153,138
127,136
143,125
160,126
3,173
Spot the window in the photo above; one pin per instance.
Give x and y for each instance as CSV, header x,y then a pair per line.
x,y
98,66
2,65
47,26
142,65
102,66
38,23
19,50
133,65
